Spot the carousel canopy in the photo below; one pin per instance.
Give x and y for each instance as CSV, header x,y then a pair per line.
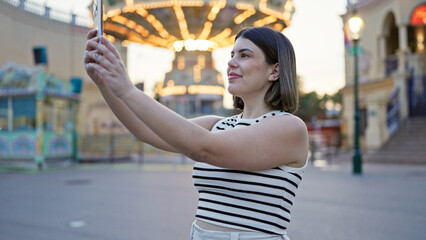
x,y
194,24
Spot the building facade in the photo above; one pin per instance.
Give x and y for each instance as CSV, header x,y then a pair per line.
x,y
26,25
391,68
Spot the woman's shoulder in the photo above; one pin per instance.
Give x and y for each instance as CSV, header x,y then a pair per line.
x,y
293,124
288,119
291,118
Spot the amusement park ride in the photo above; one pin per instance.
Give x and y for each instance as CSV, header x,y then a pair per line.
x,y
192,29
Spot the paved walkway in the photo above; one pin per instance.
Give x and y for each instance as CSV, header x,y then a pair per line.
x,y
158,201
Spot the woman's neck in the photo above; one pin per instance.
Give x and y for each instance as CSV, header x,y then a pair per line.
x,y
254,110
254,105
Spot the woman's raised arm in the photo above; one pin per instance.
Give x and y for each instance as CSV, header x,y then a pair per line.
x,y
277,141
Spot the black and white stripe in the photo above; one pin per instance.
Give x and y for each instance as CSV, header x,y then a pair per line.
x,y
248,200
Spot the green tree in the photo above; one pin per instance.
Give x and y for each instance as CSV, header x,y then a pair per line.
x,y
310,106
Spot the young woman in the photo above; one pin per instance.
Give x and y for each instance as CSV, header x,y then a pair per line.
x,y
248,166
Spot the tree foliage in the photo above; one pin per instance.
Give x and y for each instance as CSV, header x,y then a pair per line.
x,y
313,105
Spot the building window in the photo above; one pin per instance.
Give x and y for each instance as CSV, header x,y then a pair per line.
x,y
56,115
22,110
3,114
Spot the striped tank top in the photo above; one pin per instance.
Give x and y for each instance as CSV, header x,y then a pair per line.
x,y
257,201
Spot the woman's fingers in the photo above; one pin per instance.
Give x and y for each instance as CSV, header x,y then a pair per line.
x,y
96,57
108,53
110,46
91,34
87,58
96,72
104,65
107,49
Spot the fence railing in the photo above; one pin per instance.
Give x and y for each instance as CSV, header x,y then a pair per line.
x,y
391,65
392,115
43,10
113,147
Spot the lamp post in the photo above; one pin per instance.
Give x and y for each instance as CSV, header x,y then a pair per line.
x,y
355,25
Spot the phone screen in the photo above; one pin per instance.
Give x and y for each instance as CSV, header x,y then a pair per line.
x,y
98,16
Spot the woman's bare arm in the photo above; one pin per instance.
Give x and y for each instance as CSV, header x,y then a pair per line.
x,y
277,141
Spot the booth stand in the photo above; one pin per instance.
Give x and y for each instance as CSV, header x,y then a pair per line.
x,y
38,114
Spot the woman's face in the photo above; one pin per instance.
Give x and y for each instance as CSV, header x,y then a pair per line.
x,y
248,72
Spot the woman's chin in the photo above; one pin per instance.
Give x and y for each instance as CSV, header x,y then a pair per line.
x,y
232,90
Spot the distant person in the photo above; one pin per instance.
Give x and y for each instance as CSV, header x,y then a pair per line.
x,y
248,166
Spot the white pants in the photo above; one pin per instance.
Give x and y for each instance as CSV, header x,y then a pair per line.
x,y
198,233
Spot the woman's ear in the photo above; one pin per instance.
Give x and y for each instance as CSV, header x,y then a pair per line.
x,y
275,73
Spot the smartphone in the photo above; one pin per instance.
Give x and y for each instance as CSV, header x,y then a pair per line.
x,y
98,12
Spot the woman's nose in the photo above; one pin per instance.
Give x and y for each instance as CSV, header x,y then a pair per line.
x,y
232,63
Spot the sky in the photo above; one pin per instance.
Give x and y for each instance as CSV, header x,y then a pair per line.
x,y
316,32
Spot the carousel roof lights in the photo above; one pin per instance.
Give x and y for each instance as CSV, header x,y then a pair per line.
x,y
173,90
244,15
265,21
142,31
134,37
278,26
125,43
206,89
190,45
147,22
181,62
288,7
170,83
158,26
217,6
112,13
139,29
192,89
152,5
116,28
194,45
221,36
226,42
197,73
158,41
201,61
206,30
142,12
183,26
178,45
204,45
263,7
120,19
244,6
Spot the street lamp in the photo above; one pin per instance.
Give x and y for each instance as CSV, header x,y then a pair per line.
x,y
355,25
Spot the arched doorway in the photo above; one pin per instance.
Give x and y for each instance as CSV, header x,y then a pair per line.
x,y
390,32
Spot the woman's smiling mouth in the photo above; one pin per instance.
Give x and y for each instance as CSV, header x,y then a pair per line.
x,y
232,76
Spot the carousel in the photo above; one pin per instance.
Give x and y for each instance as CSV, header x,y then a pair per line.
x,y
192,29
37,115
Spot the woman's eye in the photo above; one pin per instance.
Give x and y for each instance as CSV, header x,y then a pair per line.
x,y
243,55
